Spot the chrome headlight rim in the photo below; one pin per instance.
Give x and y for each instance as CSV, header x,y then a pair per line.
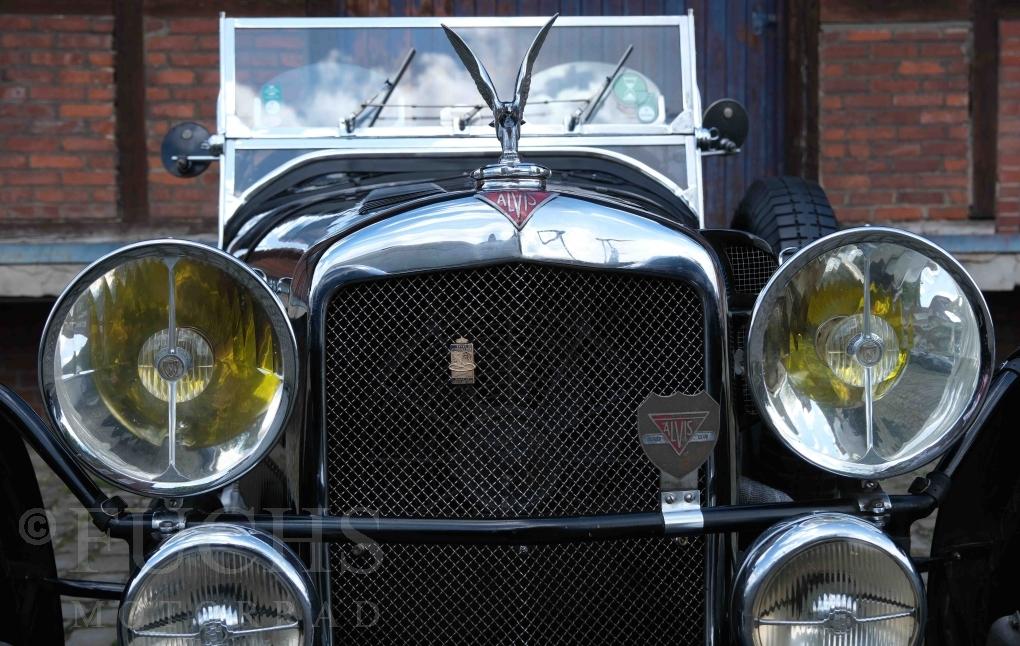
x,y
782,542
259,290
258,544
766,301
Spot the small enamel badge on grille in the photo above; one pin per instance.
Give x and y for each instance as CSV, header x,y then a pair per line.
x,y
517,206
678,432
462,362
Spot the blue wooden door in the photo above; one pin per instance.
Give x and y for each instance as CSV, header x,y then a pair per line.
x,y
741,56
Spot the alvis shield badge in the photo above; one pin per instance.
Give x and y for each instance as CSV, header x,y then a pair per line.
x,y
462,362
678,432
518,206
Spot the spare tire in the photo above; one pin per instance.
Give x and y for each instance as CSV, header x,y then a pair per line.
x,y
785,212
788,213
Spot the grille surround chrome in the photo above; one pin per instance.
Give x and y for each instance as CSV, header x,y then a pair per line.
x,y
463,232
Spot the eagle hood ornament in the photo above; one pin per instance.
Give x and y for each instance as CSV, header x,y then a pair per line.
x,y
507,116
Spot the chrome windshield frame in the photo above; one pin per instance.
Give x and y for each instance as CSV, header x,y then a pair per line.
x,y
231,128
425,141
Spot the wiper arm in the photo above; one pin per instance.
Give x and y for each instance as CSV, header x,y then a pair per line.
x,y
595,100
351,122
466,118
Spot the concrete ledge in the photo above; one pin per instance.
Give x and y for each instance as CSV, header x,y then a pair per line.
x,y
34,269
38,269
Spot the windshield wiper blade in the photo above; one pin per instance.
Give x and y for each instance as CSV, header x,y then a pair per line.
x,y
351,122
595,100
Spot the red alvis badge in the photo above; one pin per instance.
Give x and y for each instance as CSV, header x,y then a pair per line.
x,y
518,206
679,428
678,432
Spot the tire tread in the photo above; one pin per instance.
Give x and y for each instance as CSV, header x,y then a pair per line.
x,y
785,212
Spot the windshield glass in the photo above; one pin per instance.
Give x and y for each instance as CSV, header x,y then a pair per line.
x,y
289,80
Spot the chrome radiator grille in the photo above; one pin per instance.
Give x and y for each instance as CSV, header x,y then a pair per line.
x,y
564,357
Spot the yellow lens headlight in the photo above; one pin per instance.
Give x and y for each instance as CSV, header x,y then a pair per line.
x,y
168,367
868,350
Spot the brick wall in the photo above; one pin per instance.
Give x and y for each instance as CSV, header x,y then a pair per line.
x,y
1008,189
57,152
182,77
894,121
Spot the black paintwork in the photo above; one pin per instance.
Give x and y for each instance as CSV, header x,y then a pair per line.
x,y
975,563
20,416
29,608
286,217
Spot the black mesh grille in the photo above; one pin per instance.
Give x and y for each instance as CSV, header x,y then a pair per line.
x,y
622,592
563,357
751,268
738,343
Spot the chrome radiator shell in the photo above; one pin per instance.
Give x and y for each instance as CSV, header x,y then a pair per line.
x,y
567,235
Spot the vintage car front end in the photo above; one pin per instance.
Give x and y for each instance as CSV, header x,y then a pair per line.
x,y
420,397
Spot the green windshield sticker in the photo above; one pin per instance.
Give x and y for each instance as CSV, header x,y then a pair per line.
x,y
272,98
648,112
271,92
630,89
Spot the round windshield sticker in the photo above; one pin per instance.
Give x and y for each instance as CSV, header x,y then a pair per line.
x,y
271,92
647,113
631,89
272,102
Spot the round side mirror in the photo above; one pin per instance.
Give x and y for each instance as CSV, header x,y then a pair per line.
x,y
728,118
183,142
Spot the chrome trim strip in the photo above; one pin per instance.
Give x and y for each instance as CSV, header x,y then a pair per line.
x,y
487,144
782,542
229,203
692,99
259,545
227,93
424,22
777,284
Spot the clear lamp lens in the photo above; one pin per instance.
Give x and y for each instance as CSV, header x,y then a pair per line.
x,y
219,584
828,580
866,355
843,592
168,371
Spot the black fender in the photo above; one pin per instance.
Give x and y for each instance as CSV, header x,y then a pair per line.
x,y
975,567
29,604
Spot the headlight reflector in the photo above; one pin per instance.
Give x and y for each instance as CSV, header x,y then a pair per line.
x,y
168,367
220,584
827,579
868,351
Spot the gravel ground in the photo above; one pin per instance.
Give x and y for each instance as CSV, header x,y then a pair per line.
x,y
83,552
